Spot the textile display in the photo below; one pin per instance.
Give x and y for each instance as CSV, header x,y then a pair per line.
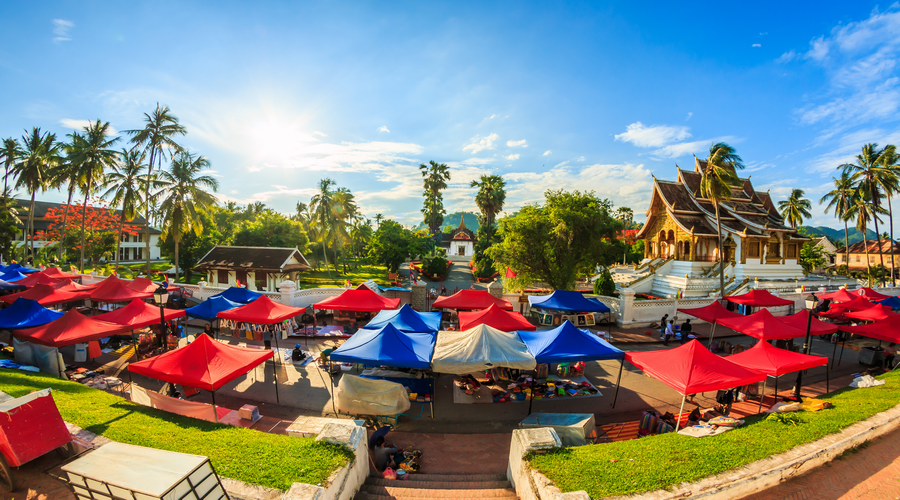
x,y
191,409
362,396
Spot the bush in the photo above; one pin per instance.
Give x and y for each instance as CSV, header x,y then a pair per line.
x,y
435,265
604,284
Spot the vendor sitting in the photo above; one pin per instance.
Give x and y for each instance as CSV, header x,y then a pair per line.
x,y
386,455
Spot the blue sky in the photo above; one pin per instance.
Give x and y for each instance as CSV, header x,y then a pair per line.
x,y
549,95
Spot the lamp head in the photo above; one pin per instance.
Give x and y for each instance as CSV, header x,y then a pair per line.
x,y
161,295
812,301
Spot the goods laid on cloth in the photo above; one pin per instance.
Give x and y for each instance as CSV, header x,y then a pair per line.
x,y
763,325
871,294
865,381
838,296
711,313
363,396
773,361
72,328
759,298
892,302
46,295
387,346
566,343
887,329
470,300
875,313
39,279
573,429
112,289
239,294
478,349
204,363
494,317
209,309
10,287
138,314
497,387
26,313
563,300
358,300
406,319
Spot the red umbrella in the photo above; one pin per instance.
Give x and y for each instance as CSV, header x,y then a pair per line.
x,y
841,295
138,314
46,295
356,300
772,361
764,326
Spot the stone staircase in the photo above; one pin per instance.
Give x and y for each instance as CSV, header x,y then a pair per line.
x,y
439,486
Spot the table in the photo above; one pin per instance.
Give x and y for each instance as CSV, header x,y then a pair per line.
x,y
484,394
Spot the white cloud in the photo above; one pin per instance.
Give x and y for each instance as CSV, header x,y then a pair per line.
x,y
879,102
383,128
254,169
580,158
214,173
764,33
547,153
512,157
700,148
757,45
320,134
79,125
653,136
234,191
689,115
491,117
478,143
266,196
523,143
61,29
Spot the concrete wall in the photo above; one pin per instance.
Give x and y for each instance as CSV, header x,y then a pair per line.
x,y
529,483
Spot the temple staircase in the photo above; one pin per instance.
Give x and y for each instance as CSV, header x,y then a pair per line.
x,y
439,486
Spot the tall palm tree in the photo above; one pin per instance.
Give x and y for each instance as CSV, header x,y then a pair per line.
x,y
184,198
40,154
795,208
490,197
873,179
124,185
890,160
322,201
345,214
10,152
91,154
435,180
840,202
863,211
158,136
301,210
378,219
719,175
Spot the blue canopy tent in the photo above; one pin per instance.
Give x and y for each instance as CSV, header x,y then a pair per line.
x,y
892,302
15,266
406,319
209,308
26,313
562,300
12,276
11,287
239,295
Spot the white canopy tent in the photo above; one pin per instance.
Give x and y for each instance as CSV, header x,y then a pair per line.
x,y
478,349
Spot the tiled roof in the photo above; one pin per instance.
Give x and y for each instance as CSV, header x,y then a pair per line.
x,y
249,258
860,247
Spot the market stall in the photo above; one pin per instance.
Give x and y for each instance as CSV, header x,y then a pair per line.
x,y
838,296
113,290
26,313
562,305
39,279
478,349
46,295
711,314
495,317
139,314
12,276
765,326
892,302
368,397
239,294
15,266
354,305
872,294
877,312
209,309
204,364
887,330
406,319
775,362
55,272
471,300
759,298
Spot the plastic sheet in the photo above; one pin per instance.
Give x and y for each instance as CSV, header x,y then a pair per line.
x,y
361,396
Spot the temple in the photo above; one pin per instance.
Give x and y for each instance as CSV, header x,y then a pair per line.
x,y
460,241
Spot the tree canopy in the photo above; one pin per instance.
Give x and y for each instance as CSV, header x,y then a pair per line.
x,y
393,244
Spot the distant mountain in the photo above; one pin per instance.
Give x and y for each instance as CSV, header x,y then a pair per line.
x,y
453,220
837,235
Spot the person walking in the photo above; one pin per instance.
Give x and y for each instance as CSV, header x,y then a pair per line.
x,y
670,331
889,353
686,329
662,326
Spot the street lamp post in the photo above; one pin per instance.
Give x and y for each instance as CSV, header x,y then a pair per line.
x,y
811,302
161,295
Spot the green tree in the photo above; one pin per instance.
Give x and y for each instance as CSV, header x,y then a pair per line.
x,y
184,197
890,160
161,128
795,208
557,242
625,215
10,153
490,197
271,229
9,219
812,255
435,176
719,176
378,219
33,172
193,247
840,202
604,284
863,212
392,244
323,201
124,188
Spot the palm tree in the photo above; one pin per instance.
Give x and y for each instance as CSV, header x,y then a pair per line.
x,y
435,176
378,219
183,198
10,152
91,154
795,208
863,211
873,179
840,201
124,188
344,213
157,136
322,203
40,154
301,210
719,175
890,160
490,197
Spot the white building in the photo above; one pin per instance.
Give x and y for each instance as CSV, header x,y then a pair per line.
x,y
257,268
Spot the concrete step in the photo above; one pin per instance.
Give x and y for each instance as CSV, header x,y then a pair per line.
x,y
414,483
431,494
430,476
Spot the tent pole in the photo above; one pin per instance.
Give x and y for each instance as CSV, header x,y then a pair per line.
x,y
432,396
762,396
215,413
678,419
711,335
827,379
833,352
531,399
137,356
843,343
275,374
618,382
776,388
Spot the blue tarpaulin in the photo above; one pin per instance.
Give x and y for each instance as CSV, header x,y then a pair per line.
x,y
561,300
12,276
406,319
892,302
11,287
387,346
566,343
25,313
18,267
240,295
208,309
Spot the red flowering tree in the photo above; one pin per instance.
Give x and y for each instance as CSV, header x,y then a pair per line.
x,y
102,229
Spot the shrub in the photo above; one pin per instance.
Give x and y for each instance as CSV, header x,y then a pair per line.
x,y
604,284
435,265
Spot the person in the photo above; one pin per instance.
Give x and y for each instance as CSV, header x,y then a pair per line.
x,y
725,401
662,326
267,337
686,329
443,290
207,329
670,331
380,432
889,353
386,455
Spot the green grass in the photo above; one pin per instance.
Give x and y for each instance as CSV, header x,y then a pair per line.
x,y
250,456
363,272
663,461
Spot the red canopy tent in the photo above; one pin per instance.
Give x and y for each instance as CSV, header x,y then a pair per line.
x,y
72,328
865,292
45,295
760,298
39,279
691,368
112,289
262,311
355,300
774,361
764,326
470,300
833,312
887,329
711,313
816,326
71,286
857,304
875,313
840,295
138,314
146,285
494,317
55,272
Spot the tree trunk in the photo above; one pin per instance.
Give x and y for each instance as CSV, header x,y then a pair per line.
x,y
31,226
325,246
868,266
147,212
847,244
721,255
891,222
176,238
83,223
65,227
878,239
119,238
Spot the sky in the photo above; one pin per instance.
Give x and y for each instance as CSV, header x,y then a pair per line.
x,y
595,96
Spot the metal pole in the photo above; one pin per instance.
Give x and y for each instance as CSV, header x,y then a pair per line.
x,y
215,413
711,335
843,342
806,345
275,374
134,344
162,328
678,419
833,351
762,396
618,382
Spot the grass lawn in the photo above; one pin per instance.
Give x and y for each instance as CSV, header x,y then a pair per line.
x,y
250,456
666,460
356,275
